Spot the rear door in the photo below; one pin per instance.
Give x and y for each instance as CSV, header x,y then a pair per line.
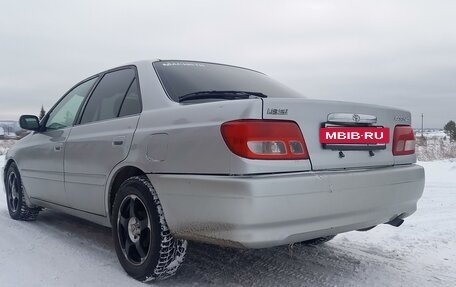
x,y
102,139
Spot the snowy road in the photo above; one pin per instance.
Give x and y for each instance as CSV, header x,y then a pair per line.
x,y
60,250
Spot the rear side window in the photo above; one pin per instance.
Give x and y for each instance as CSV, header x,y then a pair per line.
x,y
106,100
131,104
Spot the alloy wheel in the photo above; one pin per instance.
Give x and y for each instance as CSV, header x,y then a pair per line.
x,y
134,229
12,191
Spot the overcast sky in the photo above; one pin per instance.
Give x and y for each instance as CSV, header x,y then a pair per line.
x,y
397,53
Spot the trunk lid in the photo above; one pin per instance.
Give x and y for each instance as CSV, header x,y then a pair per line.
x,y
311,115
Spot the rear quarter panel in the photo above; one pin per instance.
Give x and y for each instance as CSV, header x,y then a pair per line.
x,y
187,138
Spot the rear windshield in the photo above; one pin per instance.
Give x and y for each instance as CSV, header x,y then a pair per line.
x,y
181,78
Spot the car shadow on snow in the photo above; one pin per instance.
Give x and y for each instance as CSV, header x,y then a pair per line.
x,y
76,229
299,265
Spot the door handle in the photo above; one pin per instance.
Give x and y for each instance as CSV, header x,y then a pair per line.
x,y
118,140
58,147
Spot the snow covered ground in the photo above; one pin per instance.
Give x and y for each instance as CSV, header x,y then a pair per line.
x,y
60,250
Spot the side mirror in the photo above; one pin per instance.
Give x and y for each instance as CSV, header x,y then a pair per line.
x,y
29,122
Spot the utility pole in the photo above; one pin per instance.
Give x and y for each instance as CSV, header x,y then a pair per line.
x,y
422,120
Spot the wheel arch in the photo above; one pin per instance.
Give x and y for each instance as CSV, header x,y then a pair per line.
x,y
117,178
5,170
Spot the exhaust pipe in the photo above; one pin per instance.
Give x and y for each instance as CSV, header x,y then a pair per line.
x,y
396,222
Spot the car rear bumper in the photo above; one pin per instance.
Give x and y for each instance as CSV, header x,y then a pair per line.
x,y
268,210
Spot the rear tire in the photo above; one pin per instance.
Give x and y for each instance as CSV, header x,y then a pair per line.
x,y
319,240
144,245
15,196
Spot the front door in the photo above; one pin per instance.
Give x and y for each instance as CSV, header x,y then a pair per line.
x,y
41,162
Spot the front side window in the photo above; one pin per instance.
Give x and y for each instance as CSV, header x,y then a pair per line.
x,y
64,113
106,100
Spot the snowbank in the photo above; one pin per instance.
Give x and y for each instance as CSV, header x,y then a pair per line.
x,y
5,145
435,148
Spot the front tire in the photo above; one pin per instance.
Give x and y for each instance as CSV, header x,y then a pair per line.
x,y
144,245
15,196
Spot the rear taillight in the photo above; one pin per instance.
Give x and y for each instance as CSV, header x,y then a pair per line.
x,y
403,140
265,139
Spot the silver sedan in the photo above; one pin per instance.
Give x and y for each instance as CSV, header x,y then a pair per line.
x,y
169,151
